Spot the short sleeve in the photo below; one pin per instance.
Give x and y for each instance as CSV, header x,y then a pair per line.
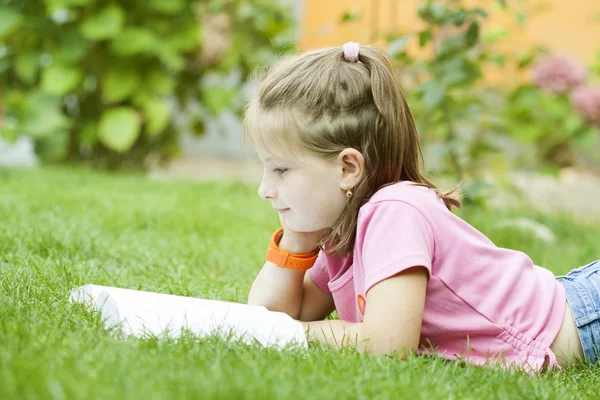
x,y
395,237
319,274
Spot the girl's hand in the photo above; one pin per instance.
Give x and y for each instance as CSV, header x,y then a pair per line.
x,y
300,242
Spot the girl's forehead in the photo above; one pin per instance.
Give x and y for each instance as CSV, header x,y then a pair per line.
x,y
297,158
278,135
273,156
275,131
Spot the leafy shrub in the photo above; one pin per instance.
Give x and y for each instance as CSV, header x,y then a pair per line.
x,y
98,81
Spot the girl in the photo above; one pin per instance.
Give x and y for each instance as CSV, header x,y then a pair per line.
x,y
364,232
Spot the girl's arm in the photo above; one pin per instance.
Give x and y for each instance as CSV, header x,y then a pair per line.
x,y
290,292
392,321
278,289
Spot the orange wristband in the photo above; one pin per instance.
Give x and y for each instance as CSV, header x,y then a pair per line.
x,y
283,258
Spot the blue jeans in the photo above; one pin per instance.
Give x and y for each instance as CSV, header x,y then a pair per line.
x,y
582,286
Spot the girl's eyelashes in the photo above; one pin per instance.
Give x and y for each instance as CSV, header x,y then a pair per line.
x,y
280,171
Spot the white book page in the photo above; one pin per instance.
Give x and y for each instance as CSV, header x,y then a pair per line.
x,y
140,313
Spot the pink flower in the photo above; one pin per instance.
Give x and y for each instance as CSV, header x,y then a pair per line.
x,y
558,74
586,100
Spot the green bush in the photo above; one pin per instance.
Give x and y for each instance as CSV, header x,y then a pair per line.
x,y
98,81
547,123
451,109
468,129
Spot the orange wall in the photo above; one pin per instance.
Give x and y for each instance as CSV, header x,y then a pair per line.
x,y
564,26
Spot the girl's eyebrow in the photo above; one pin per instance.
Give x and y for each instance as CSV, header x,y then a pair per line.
x,y
280,160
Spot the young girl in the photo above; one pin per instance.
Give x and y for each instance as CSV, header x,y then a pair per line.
x,y
364,232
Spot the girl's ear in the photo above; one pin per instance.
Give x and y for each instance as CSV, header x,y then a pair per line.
x,y
353,167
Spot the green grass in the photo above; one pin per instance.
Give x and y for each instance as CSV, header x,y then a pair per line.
x,y
61,229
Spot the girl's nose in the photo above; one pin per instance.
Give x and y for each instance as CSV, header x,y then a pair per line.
x,y
265,192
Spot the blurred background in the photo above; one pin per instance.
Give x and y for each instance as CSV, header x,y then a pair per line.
x,y
506,94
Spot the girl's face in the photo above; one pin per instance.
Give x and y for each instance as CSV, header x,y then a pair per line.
x,y
307,193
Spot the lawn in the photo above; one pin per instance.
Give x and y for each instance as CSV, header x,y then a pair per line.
x,y
60,229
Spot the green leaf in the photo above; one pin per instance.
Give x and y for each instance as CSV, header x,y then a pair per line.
x,y
350,16
157,115
481,147
479,11
492,35
159,81
572,124
454,77
398,45
433,94
555,108
595,66
134,41
167,7
120,83
217,98
198,127
424,38
5,65
451,46
60,80
169,56
232,58
528,133
42,125
587,138
457,70
58,4
549,169
41,115
54,147
423,12
71,48
216,5
498,60
89,135
9,130
438,12
142,96
472,34
524,59
104,25
10,20
521,18
119,128
459,17
185,39
26,66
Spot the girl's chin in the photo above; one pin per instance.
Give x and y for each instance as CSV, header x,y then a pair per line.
x,y
301,228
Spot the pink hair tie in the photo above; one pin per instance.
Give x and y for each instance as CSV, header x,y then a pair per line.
x,y
351,51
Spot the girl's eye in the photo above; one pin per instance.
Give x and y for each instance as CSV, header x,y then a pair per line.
x,y
280,171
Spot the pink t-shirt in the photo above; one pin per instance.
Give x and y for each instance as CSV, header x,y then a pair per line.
x,y
482,302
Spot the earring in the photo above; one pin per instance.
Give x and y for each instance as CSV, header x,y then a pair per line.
x,y
349,193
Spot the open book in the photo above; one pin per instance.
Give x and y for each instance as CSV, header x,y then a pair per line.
x,y
139,313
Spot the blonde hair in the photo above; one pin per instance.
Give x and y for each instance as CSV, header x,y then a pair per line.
x,y
319,103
